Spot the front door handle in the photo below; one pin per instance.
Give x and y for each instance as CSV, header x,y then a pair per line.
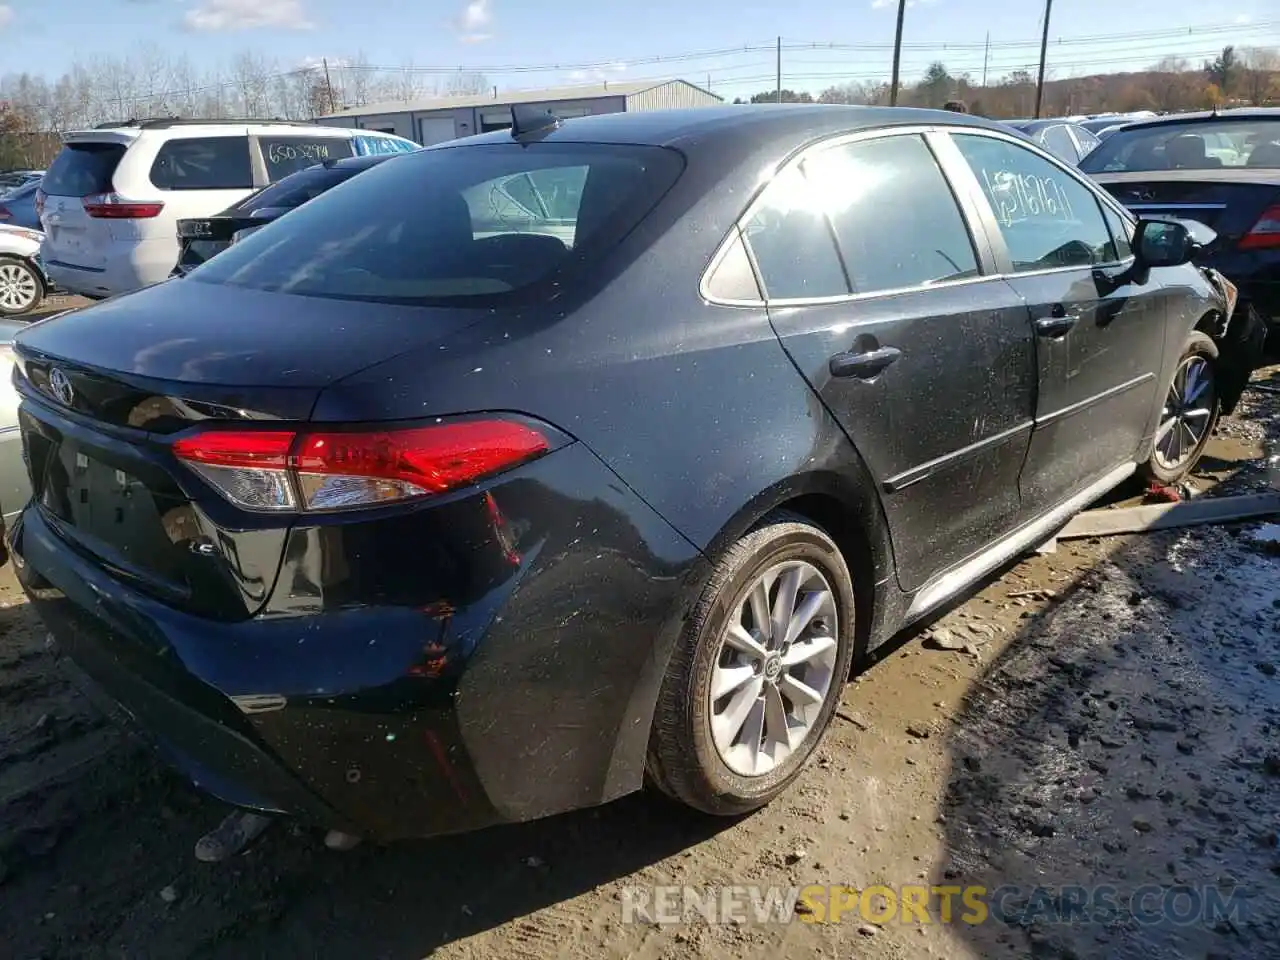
x,y
864,365
1058,324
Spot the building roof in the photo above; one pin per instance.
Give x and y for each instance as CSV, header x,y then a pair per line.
x,y
586,91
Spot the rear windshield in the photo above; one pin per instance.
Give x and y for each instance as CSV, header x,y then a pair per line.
x,y
286,155
470,225
1212,145
292,191
82,169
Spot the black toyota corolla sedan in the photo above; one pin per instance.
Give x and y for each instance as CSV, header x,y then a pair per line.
x,y
512,474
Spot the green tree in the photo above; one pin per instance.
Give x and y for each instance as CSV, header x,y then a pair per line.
x,y
935,89
788,96
1223,70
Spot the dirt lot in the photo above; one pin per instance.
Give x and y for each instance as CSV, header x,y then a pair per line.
x,y
1119,727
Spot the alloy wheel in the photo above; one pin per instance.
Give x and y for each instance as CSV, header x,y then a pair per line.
x,y
775,668
18,287
1187,413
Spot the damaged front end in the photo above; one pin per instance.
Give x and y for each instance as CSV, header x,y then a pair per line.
x,y
1241,335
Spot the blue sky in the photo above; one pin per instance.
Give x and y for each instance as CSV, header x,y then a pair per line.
x,y
580,40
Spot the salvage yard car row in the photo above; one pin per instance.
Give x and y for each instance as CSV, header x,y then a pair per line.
x,y
509,475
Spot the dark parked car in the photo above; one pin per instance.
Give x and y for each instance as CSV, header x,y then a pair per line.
x,y
1222,169
18,207
1066,141
528,467
12,179
202,238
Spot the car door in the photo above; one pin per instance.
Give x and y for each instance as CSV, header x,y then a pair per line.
x,y
1099,333
882,298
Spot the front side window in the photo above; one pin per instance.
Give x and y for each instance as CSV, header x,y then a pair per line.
x,y
791,241
442,226
868,186
1047,217
203,163
1121,232
286,155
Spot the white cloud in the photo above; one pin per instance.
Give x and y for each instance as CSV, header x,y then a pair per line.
x,y
318,63
599,74
6,15
887,4
474,22
1243,19
227,15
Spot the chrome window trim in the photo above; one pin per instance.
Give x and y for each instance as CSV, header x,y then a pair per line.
x,y
938,139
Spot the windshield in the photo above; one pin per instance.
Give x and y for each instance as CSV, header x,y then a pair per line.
x,y
462,225
1211,145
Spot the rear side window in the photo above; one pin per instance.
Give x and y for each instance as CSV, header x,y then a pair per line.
x,y
83,169
792,243
894,181
286,155
468,226
1057,140
203,163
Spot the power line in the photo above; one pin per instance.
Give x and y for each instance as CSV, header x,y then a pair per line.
x,y
1148,43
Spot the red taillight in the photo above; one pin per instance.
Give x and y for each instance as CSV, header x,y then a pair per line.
x,y
40,198
1265,234
112,206
330,470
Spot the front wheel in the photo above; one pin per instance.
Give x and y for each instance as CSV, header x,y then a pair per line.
x,y
759,670
1189,414
21,287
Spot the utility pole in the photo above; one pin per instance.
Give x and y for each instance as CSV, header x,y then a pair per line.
x,y
779,91
1044,52
986,58
328,85
897,54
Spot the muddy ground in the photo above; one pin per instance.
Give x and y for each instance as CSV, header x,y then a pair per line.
x,y
1121,727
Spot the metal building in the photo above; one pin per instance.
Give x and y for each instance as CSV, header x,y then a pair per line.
x,y
434,121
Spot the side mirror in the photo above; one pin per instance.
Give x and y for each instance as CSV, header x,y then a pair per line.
x,y
1164,243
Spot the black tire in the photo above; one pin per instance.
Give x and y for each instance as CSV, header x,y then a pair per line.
x,y
683,761
1198,345
31,272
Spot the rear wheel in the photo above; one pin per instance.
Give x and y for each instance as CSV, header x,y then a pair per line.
x,y
759,671
1189,413
21,287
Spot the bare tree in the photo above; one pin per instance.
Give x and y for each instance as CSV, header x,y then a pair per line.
x,y
1261,72
466,83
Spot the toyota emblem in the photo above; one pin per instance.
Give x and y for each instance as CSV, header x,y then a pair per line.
x,y
60,384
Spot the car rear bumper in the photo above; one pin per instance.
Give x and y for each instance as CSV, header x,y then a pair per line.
x,y
525,698
127,268
1257,275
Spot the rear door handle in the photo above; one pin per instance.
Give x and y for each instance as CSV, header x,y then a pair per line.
x,y
1058,324
864,365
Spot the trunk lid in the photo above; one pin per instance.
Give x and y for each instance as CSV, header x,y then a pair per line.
x,y
105,389
1229,201
205,237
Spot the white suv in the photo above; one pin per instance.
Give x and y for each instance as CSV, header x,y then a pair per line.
x,y
111,200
